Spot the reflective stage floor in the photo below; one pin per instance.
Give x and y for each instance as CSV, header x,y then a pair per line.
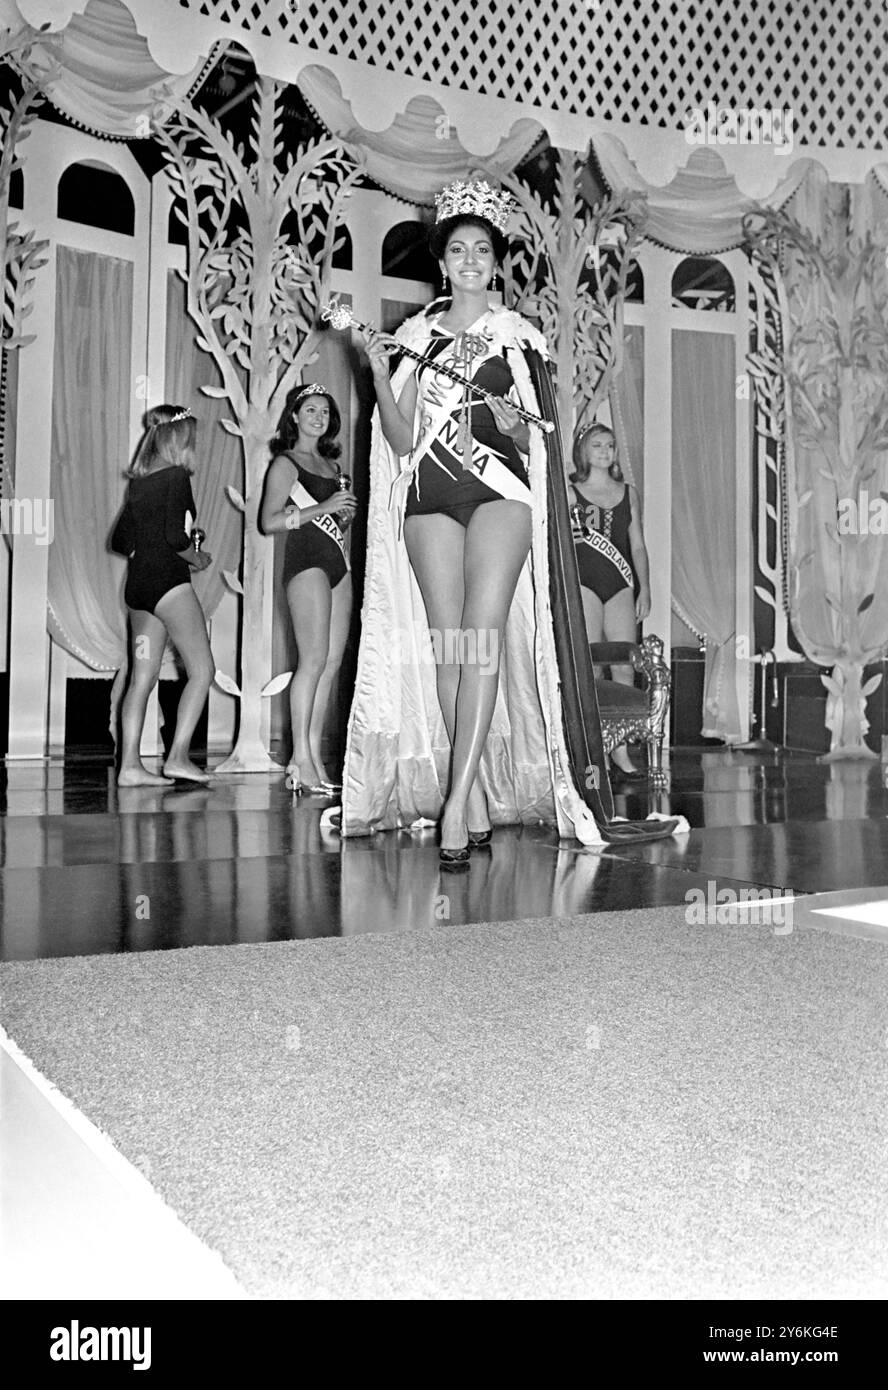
x,y
89,869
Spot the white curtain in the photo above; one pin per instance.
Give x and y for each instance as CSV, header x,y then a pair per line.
x,y
703,514
420,152
92,383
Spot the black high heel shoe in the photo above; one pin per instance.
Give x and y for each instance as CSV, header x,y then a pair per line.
x,y
454,858
454,861
479,839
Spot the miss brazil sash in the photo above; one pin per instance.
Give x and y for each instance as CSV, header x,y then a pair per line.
x,y
326,522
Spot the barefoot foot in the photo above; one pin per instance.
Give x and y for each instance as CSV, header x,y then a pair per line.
x,y
139,777
184,772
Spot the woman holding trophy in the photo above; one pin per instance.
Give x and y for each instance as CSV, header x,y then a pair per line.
x,y
309,497
611,555
155,532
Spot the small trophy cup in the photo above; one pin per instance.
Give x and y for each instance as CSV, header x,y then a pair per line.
x,y
576,513
344,485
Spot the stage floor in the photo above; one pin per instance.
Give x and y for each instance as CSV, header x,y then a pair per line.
x,y
90,869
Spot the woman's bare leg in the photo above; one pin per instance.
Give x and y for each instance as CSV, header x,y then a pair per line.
x,y
340,621
593,612
148,639
311,604
497,543
183,618
436,547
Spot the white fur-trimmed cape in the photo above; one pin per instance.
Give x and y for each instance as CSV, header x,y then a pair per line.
x,y
398,753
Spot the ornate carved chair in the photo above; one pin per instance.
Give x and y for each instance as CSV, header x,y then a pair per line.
x,y
630,714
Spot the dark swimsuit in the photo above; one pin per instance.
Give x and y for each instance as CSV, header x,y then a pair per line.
x,y
456,492
313,546
597,572
151,532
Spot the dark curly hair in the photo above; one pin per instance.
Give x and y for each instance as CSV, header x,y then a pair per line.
x,y
288,429
442,232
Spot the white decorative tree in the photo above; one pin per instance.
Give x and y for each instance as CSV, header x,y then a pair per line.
x,y
21,254
828,391
770,471
254,291
567,271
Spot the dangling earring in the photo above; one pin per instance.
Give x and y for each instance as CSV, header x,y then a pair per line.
x,y
445,282
496,281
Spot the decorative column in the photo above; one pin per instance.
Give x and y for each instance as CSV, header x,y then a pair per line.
x,y
28,638
657,266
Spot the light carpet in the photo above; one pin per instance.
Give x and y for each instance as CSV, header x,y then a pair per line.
x,y
613,1105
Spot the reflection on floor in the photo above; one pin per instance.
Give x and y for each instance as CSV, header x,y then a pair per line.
x,y
88,868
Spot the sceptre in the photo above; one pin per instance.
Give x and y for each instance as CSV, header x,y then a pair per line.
x,y
340,316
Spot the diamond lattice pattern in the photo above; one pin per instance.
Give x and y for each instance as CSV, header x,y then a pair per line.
x,y
616,60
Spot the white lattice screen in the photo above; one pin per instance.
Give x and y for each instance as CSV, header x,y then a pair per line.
x,y
617,60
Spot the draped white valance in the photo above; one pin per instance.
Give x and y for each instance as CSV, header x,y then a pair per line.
x,y
100,74
701,211
98,71
420,152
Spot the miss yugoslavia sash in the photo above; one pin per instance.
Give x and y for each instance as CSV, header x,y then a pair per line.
x,y
326,523
439,400
610,552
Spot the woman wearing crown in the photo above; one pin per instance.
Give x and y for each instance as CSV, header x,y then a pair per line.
x,y
152,531
459,712
308,496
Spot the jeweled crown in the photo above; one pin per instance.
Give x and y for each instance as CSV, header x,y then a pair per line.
x,y
476,199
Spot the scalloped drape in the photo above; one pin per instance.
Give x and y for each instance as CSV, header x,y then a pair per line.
x,y
101,75
700,212
419,153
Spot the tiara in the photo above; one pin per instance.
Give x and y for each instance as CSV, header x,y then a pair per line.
x,y
475,199
313,389
185,414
